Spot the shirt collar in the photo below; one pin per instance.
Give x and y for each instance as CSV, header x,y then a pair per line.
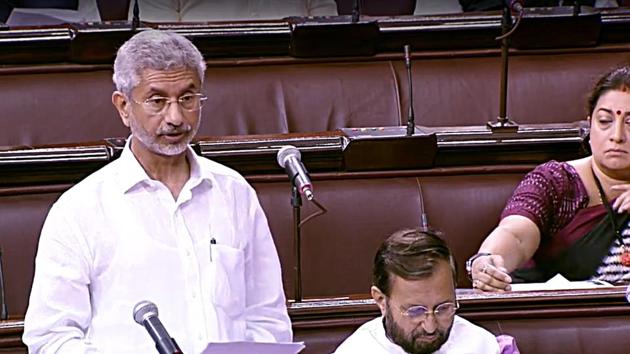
x,y
131,173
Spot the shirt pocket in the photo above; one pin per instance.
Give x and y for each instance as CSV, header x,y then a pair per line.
x,y
229,290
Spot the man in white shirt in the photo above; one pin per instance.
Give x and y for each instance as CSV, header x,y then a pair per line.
x,y
158,224
414,287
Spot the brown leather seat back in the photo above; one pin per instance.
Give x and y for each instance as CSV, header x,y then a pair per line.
x,y
21,220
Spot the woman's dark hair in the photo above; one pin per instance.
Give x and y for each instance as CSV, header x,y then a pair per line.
x,y
617,79
411,254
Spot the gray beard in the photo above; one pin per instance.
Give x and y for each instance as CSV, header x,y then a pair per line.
x,y
150,142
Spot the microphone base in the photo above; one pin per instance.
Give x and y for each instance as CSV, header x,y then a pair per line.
x,y
502,126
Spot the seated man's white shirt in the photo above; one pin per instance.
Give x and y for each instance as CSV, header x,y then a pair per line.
x,y
118,238
465,338
218,10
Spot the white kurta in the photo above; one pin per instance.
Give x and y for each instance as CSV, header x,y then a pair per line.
x,y
118,237
465,338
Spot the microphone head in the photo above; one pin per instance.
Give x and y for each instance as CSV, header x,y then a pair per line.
x,y
285,152
516,5
407,49
143,310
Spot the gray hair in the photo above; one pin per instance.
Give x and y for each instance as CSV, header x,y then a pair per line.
x,y
156,50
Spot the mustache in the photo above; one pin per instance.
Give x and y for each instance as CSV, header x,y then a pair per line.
x,y
169,129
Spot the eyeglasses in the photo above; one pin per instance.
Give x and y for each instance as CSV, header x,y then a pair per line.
x,y
441,312
190,102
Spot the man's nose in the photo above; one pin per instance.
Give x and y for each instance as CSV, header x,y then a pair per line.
x,y
173,114
429,325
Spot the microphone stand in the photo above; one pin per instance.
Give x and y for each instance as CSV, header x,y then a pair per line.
x,y
135,21
296,203
503,123
411,124
577,7
356,11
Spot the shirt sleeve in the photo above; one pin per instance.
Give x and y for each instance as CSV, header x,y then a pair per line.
x,y
550,195
266,314
59,310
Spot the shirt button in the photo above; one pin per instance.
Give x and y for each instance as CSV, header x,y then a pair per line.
x,y
194,295
188,253
200,337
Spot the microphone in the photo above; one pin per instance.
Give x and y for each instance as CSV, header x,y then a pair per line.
x,y
411,125
515,5
290,159
146,314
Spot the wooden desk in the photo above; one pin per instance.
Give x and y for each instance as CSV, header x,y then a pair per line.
x,y
543,322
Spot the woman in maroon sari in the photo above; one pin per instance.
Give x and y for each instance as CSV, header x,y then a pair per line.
x,y
569,217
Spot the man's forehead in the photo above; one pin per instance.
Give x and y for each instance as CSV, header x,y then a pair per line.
x,y
169,74
438,286
177,80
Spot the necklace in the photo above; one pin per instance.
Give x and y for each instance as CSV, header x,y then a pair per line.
x,y
624,257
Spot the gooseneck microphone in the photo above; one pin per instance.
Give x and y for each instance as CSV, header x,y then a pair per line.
x,y
290,159
411,125
146,314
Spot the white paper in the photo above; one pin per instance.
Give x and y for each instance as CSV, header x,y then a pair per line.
x,y
559,282
253,347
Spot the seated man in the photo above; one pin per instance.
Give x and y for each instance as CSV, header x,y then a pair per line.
x,y
414,287
159,224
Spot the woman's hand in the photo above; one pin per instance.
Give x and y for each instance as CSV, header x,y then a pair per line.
x,y
489,274
622,203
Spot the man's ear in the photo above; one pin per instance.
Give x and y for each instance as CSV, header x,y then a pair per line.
x,y
122,106
379,298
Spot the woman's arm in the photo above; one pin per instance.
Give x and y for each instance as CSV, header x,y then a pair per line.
x,y
510,244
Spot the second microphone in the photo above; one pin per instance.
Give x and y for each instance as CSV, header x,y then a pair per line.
x,y
290,159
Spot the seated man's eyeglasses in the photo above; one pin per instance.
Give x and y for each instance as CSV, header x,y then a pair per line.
x,y
189,102
441,312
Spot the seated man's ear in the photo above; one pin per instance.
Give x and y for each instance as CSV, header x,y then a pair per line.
x,y
122,106
380,298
